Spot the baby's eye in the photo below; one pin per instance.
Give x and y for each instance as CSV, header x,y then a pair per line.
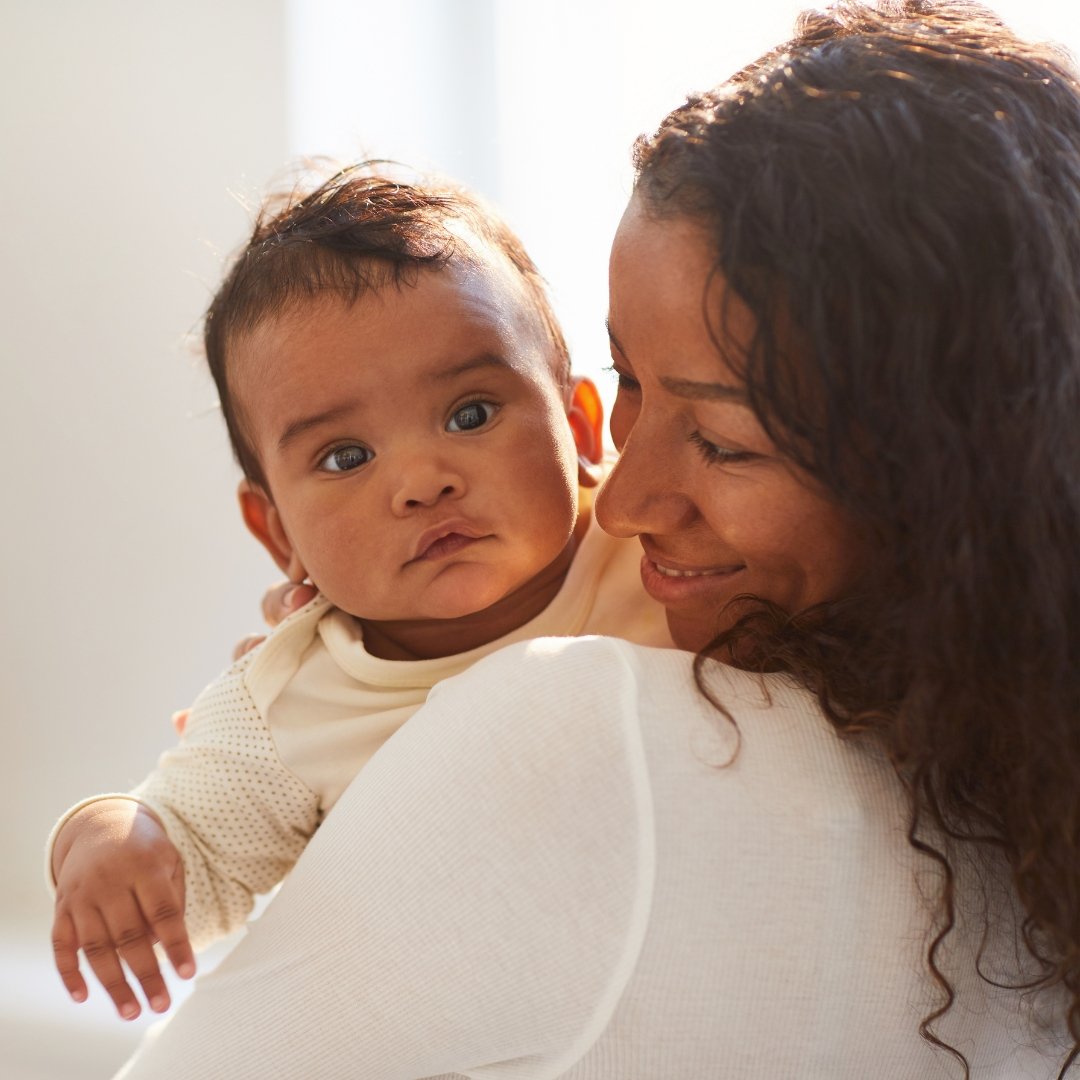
x,y
470,417
346,458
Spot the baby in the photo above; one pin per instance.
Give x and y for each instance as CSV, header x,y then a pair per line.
x,y
397,391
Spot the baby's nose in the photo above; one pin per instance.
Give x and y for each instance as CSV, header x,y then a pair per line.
x,y
426,486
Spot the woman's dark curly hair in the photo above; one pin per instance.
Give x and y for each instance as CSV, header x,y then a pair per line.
x,y
895,193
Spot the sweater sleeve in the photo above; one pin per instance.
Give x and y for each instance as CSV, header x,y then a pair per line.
x,y
474,903
237,815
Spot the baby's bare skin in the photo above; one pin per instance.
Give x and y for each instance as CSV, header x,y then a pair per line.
x,y
120,880
119,889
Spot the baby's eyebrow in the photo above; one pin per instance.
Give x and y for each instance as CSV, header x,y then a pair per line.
x,y
306,423
484,360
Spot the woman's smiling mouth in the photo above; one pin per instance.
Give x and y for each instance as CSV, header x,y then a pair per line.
x,y
675,585
669,571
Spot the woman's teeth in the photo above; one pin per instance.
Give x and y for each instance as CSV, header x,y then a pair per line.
x,y
668,572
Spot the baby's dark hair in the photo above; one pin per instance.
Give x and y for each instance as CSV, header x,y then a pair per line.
x,y
357,232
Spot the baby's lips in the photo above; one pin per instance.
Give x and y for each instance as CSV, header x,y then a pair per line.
x,y
438,532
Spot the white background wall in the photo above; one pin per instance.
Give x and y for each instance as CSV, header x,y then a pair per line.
x,y
123,128
131,134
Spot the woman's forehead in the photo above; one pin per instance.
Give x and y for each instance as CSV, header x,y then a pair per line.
x,y
669,300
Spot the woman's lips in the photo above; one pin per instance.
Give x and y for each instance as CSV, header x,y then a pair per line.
x,y
669,571
670,584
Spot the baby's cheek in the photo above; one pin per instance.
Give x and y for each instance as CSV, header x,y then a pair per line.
x,y
326,559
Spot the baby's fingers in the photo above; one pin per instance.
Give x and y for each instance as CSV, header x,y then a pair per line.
x,y
65,945
162,903
100,947
132,928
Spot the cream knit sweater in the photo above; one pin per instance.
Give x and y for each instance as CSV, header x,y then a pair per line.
x,y
565,865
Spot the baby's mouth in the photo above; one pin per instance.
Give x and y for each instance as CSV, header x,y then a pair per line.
x,y
447,545
446,539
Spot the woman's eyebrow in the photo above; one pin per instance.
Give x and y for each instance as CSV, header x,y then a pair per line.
x,y
705,391
688,388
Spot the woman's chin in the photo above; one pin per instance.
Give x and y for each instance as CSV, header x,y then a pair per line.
x,y
690,632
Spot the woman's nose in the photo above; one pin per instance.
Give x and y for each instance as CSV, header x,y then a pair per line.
x,y
425,483
641,494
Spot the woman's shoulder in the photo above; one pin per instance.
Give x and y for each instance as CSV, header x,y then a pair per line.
x,y
564,664
557,688
610,685
542,693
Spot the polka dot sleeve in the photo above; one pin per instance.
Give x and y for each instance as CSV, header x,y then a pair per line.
x,y
238,816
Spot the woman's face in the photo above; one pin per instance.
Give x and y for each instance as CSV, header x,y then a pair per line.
x,y
718,510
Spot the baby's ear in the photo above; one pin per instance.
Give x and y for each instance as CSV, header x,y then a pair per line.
x,y
264,522
586,415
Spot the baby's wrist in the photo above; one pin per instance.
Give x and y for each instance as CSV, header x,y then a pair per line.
x,y
98,813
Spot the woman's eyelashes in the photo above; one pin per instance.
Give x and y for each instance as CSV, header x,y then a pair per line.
x,y
717,455
472,415
345,458
622,379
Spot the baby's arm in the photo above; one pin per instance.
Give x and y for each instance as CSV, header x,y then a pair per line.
x,y
119,888
221,818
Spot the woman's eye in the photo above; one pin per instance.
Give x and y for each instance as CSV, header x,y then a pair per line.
x,y
717,455
623,381
472,416
346,458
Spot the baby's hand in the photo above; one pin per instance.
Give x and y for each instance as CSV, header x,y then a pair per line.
x,y
119,888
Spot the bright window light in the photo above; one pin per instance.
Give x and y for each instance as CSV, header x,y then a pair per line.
x,y
535,105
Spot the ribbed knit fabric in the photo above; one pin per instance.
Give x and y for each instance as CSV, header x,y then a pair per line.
x,y
567,864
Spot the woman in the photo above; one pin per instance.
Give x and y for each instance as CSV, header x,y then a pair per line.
x,y
845,321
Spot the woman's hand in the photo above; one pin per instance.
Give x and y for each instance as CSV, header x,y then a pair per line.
x,y
119,889
278,602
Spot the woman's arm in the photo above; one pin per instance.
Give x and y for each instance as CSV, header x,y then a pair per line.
x,y
473,904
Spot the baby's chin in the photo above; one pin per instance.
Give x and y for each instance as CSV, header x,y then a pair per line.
x,y
444,629
463,612
479,600
438,605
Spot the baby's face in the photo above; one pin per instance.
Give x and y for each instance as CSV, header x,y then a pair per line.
x,y
415,443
